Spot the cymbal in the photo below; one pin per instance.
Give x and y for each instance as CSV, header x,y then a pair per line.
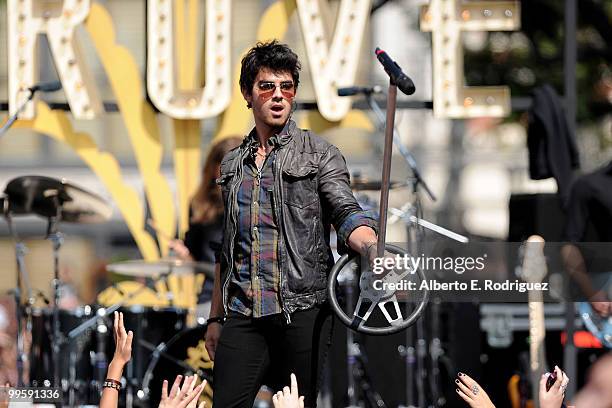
x,y
364,184
42,195
149,269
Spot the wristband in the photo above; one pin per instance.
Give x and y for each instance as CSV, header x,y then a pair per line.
x,y
110,383
218,319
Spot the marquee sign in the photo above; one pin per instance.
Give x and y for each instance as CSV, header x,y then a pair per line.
x,y
173,89
333,65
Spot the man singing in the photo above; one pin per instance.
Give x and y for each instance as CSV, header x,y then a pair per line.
x,y
282,187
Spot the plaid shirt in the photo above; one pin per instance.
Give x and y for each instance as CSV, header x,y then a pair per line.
x,y
255,285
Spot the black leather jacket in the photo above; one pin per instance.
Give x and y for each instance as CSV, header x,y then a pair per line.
x,y
312,183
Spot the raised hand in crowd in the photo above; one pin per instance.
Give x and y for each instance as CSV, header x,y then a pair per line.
x,y
289,398
472,393
182,397
123,353
553,397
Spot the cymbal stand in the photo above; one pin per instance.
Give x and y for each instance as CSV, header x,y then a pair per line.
x,y
57,239
22,279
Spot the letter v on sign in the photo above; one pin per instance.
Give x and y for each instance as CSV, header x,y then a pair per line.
x,y
336,65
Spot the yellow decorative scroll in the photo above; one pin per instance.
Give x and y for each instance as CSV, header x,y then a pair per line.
x,y
55,124
139,117
187,155
187,159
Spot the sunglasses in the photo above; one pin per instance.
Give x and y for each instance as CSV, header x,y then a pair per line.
x,y
267,89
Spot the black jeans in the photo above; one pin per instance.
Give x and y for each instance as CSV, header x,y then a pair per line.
x,y
252,352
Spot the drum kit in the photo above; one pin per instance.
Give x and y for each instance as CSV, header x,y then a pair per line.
x,y
70,349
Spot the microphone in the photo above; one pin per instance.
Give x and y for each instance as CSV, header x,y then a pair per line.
x,y
403,82
355,90
46,87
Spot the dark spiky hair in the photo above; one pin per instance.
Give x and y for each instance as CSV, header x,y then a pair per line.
x,y
272,55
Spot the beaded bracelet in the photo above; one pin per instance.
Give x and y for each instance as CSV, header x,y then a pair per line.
x,y
110,383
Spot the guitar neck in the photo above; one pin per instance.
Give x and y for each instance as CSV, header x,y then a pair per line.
x,y
537,334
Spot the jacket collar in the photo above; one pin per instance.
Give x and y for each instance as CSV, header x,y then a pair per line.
x,y
279,139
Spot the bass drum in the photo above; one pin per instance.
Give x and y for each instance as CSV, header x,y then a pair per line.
x,y
183,354
76,357
151,327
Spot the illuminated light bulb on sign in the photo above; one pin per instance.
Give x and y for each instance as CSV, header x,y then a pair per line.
x,y
191,103
446,19
60,31
325,59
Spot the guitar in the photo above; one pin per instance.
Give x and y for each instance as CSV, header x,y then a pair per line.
x,y
600,327
533,271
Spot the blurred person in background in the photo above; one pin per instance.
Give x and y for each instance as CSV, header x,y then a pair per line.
x,y
205,232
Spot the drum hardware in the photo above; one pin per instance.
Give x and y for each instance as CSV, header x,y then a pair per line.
x,y
154,269
359,183
157,352
57,201
101,314
183,354
21,279
405,214
100,361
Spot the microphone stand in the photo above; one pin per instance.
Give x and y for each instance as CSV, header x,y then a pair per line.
x,y
14,117
414,358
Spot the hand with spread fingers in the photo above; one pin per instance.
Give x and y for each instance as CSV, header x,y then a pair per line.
x,y
182,397
288,398
472,393
553,398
